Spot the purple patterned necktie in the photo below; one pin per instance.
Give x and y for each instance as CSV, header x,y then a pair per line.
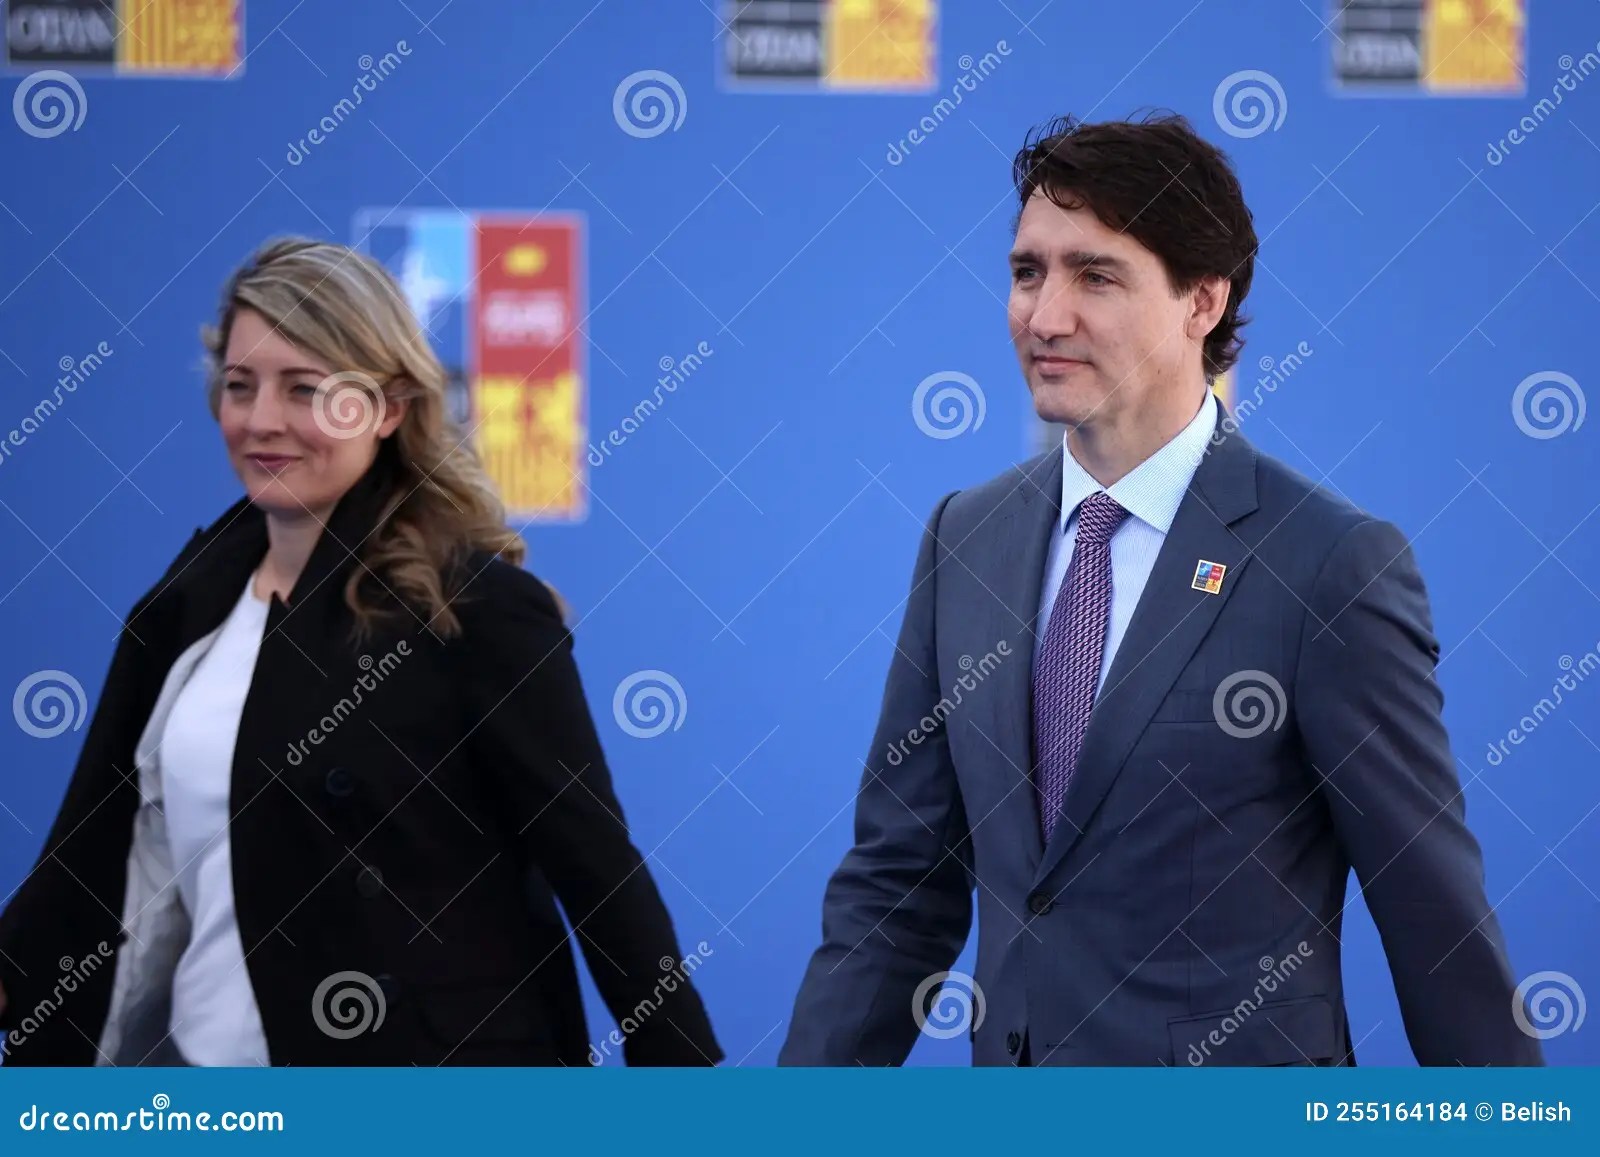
x,y
1067,675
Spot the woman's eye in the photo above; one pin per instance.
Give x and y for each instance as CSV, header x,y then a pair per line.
x,y
304,391
236,386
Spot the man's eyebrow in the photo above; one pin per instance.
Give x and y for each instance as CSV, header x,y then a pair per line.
x,y
1079,259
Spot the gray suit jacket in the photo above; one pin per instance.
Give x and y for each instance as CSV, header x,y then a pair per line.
x,y
1248,749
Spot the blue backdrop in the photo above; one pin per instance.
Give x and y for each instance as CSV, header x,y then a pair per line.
x,y
753,538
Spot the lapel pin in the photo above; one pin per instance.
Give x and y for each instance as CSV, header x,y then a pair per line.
x,y
1208,576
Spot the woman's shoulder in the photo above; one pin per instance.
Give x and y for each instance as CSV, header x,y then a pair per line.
x,y
233,529
492,591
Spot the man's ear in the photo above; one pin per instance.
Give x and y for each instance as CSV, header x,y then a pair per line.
x,y
1208,303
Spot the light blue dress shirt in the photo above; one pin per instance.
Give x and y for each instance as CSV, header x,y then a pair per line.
x,y
1150,492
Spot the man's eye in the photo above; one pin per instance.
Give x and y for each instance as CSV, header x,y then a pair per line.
x,y
1022,271
1094,278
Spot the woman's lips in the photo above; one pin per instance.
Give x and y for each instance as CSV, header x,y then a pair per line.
x,y
273,463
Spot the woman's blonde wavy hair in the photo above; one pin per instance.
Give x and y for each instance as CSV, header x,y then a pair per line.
x,y
344,309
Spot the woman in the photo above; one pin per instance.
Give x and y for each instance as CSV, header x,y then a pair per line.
x,y
342,767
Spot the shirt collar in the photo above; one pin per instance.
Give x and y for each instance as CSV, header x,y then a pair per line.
x,y
1152,490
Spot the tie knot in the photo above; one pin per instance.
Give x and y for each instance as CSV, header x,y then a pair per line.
x,y
1098,518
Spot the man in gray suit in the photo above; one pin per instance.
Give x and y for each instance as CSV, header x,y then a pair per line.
x,y
1206,693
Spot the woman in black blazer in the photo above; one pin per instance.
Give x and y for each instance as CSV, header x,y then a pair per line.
x,y
342,767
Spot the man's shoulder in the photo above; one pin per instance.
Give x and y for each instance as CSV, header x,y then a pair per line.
x,y
1036,480
1302,513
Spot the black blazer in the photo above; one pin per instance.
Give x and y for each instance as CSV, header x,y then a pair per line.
x,y
420,836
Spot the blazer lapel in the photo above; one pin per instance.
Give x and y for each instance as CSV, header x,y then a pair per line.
x,y
1167,625
1014,559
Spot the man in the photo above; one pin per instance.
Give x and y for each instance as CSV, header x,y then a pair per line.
x,y
1161,880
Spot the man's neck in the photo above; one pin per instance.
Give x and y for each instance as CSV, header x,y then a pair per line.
x,y
1110,452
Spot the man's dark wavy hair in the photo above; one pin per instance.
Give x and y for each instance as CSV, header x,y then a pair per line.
x,y
1157,181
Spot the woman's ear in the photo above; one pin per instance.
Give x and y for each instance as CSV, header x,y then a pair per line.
x,y
394,412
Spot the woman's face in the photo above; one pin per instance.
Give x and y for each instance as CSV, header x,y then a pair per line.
x,y
298,434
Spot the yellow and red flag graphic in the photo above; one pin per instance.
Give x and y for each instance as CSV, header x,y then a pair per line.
x,y
528,373
179,36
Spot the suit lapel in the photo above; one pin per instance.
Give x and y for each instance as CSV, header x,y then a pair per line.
x,y
1167,625
1014,555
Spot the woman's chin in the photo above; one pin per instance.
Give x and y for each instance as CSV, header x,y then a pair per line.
x,y
274,498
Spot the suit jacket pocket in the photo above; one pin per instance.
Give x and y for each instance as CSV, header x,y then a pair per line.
x,y
1288,1032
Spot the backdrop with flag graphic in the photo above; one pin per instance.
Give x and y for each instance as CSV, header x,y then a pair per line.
x,y
831,45
501,297
1438,47
171,38
722,288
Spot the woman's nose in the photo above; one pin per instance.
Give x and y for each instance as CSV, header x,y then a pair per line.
x,y
266,411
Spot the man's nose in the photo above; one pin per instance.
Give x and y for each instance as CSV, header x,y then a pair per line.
x,y
1055,310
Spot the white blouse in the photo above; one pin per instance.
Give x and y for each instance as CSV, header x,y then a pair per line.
x,y
215,1018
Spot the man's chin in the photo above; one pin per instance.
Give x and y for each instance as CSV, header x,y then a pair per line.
x,y
1070,407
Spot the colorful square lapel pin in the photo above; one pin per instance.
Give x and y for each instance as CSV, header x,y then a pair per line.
x,y
1208,576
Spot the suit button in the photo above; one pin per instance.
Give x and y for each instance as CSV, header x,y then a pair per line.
x,y
369,882
1039,903
1013,1042
338,782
